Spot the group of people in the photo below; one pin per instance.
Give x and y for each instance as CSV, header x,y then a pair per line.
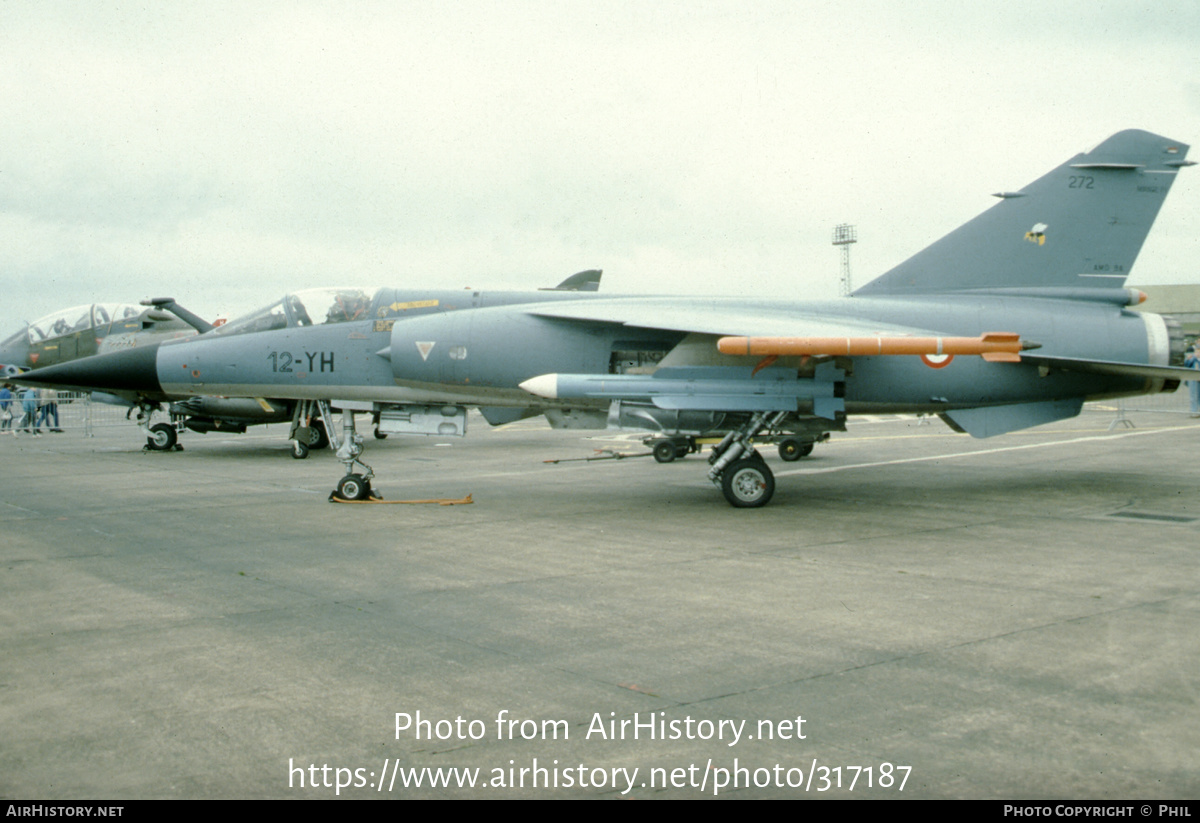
x,y
38,407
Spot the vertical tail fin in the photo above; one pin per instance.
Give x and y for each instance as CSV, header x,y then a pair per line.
x,y
1080,226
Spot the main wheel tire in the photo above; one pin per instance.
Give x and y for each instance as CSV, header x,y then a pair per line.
x,y
163,437
792,449
748,483
354,487
318,438
664,451
380,435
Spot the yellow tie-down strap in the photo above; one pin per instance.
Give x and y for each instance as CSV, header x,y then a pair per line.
x,y
441,501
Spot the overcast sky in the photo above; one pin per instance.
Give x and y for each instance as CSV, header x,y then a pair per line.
x,y
226,153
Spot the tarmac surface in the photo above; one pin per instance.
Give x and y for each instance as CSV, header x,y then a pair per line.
x,y
1012,618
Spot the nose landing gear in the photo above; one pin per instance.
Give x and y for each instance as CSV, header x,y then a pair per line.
x,y
355,485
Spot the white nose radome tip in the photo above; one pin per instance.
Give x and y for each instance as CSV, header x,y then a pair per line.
x,y
544,385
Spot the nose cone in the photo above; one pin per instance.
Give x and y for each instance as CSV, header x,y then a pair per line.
x,y
132,374
544,385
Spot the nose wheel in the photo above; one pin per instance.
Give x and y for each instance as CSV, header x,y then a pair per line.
x,y
353,487
160,437
163,437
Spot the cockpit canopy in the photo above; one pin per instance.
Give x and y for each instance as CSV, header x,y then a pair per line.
x,y
311,307
80,318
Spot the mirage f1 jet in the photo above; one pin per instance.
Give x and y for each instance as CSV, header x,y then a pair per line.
x,y
1012,320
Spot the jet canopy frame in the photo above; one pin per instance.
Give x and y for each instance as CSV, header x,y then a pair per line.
x,y
309,307
79,318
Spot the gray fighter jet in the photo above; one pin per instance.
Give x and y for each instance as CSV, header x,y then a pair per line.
x,y
100,328
82,331
1014,319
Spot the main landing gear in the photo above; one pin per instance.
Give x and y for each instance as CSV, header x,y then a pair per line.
x,y
738,470
748,482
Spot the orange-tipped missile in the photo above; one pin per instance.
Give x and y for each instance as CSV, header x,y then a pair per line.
x,y
1004,347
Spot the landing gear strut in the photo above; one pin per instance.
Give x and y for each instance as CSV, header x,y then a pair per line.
x,y
355,485
738,470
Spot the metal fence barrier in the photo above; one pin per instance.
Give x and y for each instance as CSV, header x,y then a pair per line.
x,y
71,412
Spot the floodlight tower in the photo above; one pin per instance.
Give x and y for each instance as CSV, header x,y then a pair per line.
x,y
845,235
